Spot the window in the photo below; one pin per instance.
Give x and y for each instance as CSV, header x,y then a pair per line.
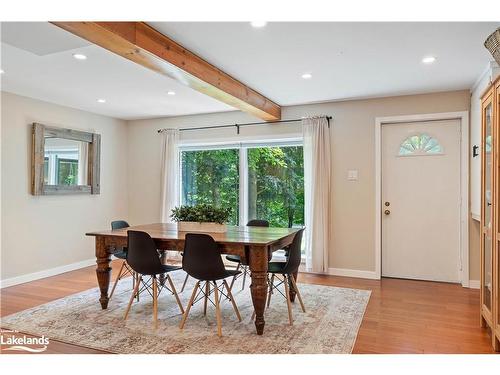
x,y
60,167
67,172
211,177
276,185
257,181
420,144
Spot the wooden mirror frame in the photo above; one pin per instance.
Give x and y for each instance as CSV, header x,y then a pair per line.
x,y
38,155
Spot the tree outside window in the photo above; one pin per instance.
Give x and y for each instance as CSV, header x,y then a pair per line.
x,y
275,176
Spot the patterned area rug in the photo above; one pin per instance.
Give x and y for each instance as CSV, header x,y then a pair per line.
x,y
330,324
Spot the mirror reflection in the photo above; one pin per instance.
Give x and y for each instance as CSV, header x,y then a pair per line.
x,y
65,162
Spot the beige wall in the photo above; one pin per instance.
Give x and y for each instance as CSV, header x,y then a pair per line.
x,y
353,143
44,232
130,186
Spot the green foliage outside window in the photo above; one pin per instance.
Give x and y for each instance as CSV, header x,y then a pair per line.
x,y
67,172
211,177
275,183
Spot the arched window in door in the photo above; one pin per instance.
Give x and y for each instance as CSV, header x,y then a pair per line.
x,y
420,144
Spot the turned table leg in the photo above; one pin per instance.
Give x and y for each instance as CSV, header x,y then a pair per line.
x,y
258,267
293,293
103,270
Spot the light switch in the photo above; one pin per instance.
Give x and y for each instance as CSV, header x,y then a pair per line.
x,y
352,175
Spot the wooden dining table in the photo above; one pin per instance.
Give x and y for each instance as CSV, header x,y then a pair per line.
x,y
254,245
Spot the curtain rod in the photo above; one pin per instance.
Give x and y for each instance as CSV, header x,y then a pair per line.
x,y
237,126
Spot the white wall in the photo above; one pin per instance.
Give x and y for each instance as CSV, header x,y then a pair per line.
x,y
45,232
353,142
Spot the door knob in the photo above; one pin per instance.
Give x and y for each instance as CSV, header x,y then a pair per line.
x,y
387,212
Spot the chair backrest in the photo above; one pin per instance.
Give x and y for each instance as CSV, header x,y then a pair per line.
x,y
201,258
142,255
258,223
294,254
119,224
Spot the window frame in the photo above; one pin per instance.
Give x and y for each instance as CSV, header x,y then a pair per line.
x,y
242,147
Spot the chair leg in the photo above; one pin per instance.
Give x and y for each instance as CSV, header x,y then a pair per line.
x,y
205,302
155,302
188,307
175,293
136,275
245,270
217,310
232,300
184,284
136,290
297,292
288,301
133,280
234,277
117,279
270,290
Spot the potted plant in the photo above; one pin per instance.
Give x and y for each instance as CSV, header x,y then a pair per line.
x,y
201,218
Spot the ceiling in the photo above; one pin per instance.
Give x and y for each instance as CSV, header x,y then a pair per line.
x,y
346,60
52,74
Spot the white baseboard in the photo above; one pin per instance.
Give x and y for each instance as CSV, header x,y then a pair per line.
x,y
352,273
474,284
46,273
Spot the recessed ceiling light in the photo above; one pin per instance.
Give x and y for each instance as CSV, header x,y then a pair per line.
x,y
171,93
79,56
258,23
307,75
101,100
428,59
2,71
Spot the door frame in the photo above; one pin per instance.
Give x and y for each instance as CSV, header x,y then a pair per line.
x,y
463,116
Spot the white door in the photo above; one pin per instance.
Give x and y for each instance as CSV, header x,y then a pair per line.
x,y
421,200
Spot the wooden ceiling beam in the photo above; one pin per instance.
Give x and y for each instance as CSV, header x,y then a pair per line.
x,y
145,46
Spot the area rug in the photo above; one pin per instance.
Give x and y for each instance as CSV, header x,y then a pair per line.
x,y
329,326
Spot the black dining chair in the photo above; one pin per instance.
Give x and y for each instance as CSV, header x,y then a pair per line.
x,y
286,270
142,257
121,253
202,261
236,258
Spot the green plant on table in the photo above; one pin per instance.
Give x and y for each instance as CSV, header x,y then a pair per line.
x,y
201,213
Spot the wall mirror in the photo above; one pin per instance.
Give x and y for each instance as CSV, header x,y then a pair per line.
x,y
64,161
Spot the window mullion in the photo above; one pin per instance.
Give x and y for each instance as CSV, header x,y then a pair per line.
x,y
243,209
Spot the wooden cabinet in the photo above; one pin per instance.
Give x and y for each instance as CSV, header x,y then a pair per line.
x,y
490,212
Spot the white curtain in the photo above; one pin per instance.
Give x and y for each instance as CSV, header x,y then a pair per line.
x,y
169,173
317,181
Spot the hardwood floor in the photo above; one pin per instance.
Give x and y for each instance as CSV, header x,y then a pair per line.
x,y
403,316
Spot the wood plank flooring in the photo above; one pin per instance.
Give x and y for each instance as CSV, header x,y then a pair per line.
x,y
403,316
